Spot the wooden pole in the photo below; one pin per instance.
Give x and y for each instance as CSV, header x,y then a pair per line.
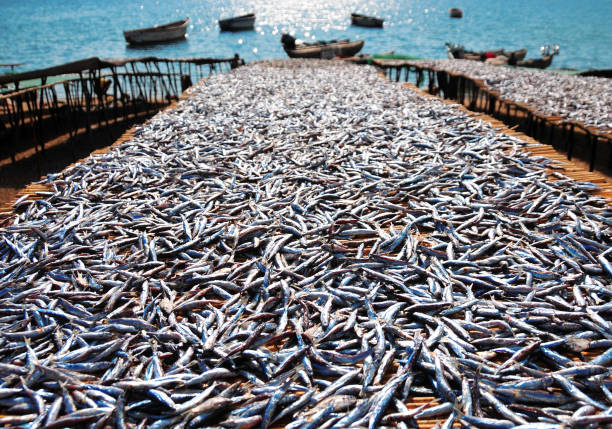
x,y
593,140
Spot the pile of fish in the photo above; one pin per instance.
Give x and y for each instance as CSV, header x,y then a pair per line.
x,y
576,98
305,244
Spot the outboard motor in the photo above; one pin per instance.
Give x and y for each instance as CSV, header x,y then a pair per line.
x,y
546,50
288,41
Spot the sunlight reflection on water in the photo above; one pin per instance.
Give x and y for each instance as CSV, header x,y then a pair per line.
x,y
41,33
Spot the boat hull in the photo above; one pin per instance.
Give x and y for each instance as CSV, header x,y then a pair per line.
x,y
455,12
366,21
330,50
518,55
240,23
537,63
159,34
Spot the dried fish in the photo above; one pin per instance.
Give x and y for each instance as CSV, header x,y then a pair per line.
x,y
303,243
584,99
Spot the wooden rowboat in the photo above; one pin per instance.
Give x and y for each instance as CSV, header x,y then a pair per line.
x,y
366,21
455,12
342,48
541,63
238,23
160,33
458,52
536,63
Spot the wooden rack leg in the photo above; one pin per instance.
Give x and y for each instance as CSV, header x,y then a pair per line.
x,y
593,141
551,136
570,147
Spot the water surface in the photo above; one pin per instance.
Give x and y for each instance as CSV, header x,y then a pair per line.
x,y
41,33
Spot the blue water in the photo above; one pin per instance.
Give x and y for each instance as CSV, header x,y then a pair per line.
x,y
41,33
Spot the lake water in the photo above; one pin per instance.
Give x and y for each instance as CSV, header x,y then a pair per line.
x,y
41,33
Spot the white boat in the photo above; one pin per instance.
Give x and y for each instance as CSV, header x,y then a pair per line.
x,y
238,23
160,33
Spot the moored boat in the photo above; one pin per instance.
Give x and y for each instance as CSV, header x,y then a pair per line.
x,y
160,33
366,21
541,63
333,48
607,73
536,63
455,12
458,52
238,23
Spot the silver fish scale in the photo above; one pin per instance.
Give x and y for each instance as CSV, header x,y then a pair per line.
x,y
305,243
583,99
